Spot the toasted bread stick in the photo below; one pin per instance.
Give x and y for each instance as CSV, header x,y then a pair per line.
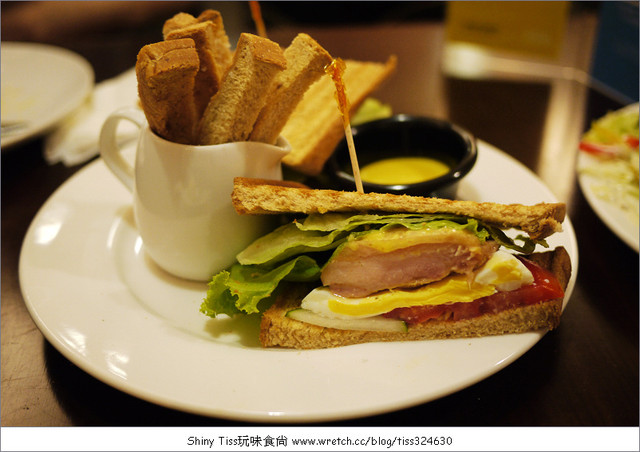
x,y
244,90
208,78
221,49
180,20
306,60
166,74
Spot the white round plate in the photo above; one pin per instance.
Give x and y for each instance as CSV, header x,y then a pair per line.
x,y
616,219
99,300
41,85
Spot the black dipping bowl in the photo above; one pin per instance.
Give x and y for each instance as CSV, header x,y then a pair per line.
x,y
407,136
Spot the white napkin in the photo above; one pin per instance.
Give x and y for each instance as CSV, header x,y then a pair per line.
x,y
76,139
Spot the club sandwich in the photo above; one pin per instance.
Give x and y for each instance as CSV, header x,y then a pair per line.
x,y
349,267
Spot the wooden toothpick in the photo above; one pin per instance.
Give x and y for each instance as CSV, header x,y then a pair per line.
x,y
335,69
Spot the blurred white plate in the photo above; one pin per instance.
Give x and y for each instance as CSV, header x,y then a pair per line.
x,y
624,224
99,300
615,218
41,85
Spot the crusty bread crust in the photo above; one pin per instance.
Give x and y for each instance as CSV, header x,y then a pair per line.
x,y
212,66
315,127
207,79
276,330
256,197
306,60
221,47
222,53
245,88
166,74
178,21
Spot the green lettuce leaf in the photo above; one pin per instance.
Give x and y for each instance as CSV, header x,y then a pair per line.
x,y
325,232
219,299
527,247
286,241
248,289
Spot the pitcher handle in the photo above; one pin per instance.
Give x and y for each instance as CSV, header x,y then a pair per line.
x,y
109,149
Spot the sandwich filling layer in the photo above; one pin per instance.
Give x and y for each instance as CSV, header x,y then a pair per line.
x,y
503,271
504,282
421,259
542,288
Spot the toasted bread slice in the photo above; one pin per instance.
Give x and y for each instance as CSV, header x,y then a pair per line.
x,y
245,88
221,48
306,60
212,44
315,127
261,197
208,78
277,330
166,73
222,53
209,14
178,21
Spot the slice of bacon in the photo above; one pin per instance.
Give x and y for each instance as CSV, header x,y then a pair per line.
x,y
407,258
545,287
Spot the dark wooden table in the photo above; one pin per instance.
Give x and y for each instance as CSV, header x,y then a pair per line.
x,y
583,374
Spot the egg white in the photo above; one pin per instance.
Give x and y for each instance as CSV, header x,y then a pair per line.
x,y
504,271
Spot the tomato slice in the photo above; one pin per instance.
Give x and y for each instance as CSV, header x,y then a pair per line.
x,y
610,150
602,150
545,287
632,141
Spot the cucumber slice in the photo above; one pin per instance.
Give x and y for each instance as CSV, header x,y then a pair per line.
x,y
377,323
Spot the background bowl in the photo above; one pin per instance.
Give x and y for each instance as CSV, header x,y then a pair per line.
x,y
407,136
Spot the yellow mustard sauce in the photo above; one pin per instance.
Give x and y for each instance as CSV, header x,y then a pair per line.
x,y
403,170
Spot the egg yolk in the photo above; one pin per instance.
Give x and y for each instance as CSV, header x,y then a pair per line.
x,y
453,288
